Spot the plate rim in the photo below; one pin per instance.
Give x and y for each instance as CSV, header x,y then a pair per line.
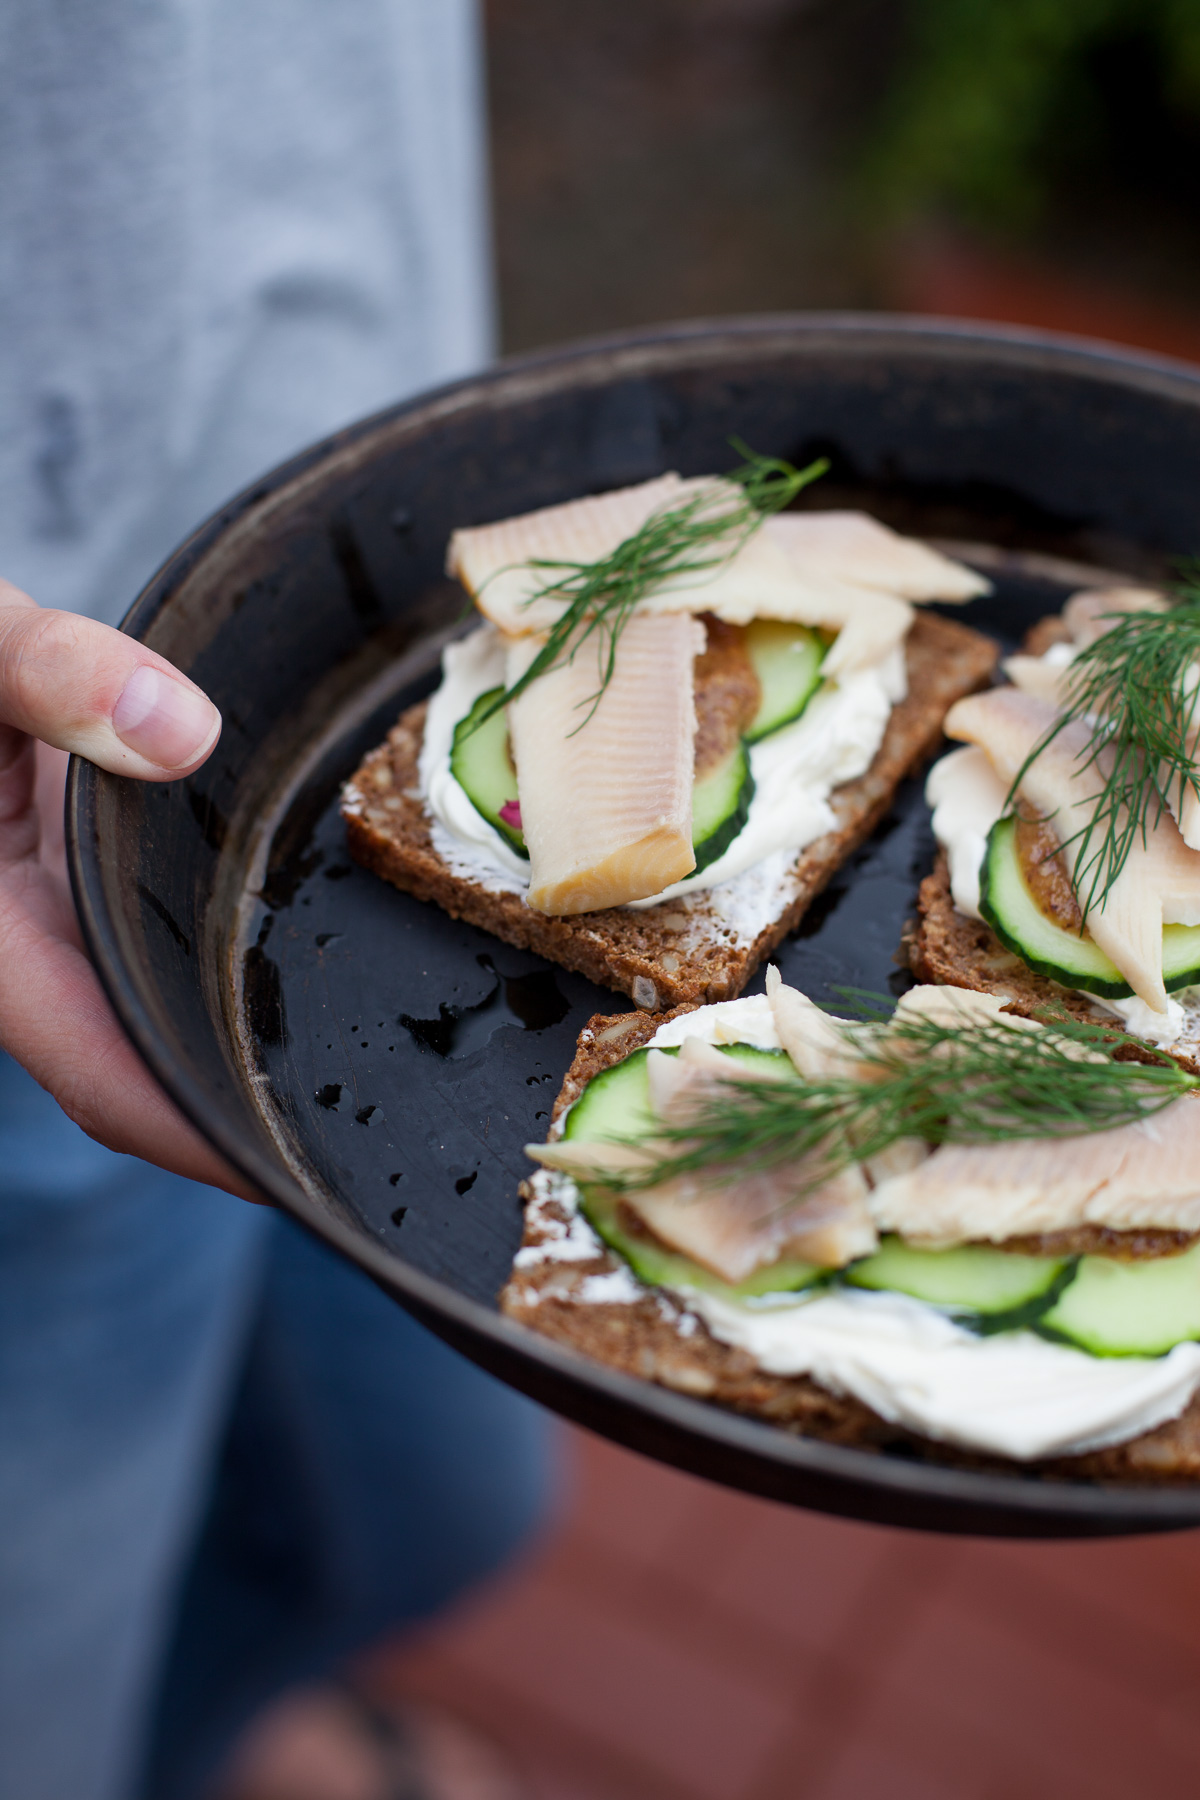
x,y
1046,1507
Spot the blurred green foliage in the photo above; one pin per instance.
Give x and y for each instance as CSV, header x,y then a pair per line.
x,y
996,99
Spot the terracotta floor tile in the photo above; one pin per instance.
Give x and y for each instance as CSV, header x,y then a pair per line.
x,y
637,1509
802,1576
968,1682
877,1771
611,1679
676,1641
740,1579
1114,1613
1153,1582
556,1761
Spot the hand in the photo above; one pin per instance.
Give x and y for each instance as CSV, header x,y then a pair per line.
x,y
77,685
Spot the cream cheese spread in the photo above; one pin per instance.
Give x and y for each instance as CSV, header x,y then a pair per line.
x,y
1014,1394
795,770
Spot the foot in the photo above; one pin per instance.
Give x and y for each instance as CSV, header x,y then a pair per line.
x,y
334,1743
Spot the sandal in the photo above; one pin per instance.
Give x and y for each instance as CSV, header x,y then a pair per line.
x,y
339,1742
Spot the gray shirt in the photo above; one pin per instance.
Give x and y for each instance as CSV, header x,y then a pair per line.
x,y
226,227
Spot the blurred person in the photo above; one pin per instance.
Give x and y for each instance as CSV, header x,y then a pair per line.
x,y
227,1462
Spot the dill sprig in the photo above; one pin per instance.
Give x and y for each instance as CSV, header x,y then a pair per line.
x,y
970,1083
1134,688
699,533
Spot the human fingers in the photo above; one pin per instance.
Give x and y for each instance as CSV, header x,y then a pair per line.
x,y
49,791
56,1020
18,815
84,687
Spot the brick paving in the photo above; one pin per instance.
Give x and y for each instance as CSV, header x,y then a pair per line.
x,y
671,1640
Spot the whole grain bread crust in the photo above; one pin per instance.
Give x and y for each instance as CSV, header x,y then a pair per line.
x,y
655,1339
682,950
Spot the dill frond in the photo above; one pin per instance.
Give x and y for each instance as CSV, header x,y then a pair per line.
x,y
700,533
1136,688
972,1083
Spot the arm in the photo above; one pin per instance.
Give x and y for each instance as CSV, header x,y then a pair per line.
x,y
76,685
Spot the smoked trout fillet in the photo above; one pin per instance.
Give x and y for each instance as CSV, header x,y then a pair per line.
x,y
606,799
1159,882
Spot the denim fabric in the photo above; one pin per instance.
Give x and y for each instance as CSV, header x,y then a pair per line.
x,y
226,1460
369,1475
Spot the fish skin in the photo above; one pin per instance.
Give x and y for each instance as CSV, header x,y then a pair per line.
x,y
767,577
853,547
607,812
1137,1177
490,560
1160,882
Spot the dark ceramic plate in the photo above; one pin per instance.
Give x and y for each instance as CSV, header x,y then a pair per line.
x,y
374,1066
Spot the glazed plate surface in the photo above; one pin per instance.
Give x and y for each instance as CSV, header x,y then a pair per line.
x,y
376,1067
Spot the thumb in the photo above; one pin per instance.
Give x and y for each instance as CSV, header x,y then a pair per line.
x,y
84,687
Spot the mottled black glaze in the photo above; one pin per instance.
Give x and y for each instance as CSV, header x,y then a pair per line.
x,y
375,1066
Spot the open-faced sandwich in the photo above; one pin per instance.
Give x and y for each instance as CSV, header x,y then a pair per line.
x,y
682,708
1069,873
952,1229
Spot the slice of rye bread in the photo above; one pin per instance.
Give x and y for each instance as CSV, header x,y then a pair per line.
x,y
951,950
654,1338
699,947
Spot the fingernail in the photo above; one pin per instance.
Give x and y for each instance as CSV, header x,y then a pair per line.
x,y
164,721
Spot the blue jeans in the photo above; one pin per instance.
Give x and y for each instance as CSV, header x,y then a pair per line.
x,y
226,1461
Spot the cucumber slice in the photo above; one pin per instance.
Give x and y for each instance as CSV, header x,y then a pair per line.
x,y
769,1062
1129,1308
657,1266
721,806
1077,962
616,1103
481,762
998,1291
787,660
